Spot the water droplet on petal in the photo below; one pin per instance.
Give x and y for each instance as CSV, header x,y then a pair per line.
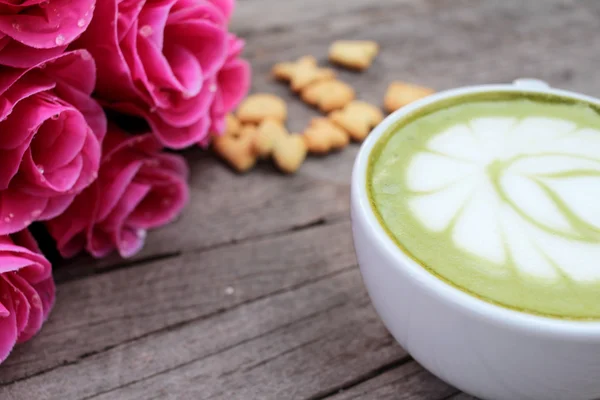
x,y
26,223
213,88
146,30
16,26
141,233
36,213
36,302
60,40
6,219
85,55
11,215
81,23
40,168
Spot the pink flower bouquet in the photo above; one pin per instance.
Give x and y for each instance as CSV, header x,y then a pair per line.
x,y
171,62
170,67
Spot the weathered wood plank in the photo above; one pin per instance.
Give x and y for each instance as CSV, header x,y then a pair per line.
x,y
100,312
407,382
296,362
289,345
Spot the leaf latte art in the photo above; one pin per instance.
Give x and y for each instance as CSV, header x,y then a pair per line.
x,y
500,198
526,191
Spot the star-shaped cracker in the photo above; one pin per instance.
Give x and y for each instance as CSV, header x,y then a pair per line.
x,y
302,72
269,131
260,106
236,148
357,118
353,54
328,95
323,136
400,94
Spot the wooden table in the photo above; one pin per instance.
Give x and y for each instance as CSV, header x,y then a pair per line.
x,y
254,292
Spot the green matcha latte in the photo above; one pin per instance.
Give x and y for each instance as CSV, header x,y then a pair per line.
x,y
498,194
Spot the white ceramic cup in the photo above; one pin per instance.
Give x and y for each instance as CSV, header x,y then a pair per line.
x,y
480,348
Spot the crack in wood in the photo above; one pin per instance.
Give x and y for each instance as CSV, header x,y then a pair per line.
x,y
287,351
451,396
69,276
361,379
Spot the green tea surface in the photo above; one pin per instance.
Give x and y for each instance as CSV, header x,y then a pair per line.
x,y
498,195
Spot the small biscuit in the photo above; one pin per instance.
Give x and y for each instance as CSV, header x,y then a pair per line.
x,y
268,132
357,118
400,94
285,70
232,125
289,153
328,95
260,106
237,149
301,73
322,136
353,54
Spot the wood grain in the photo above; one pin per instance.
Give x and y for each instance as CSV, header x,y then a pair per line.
x,y
254,293
130,303
408,381
297,336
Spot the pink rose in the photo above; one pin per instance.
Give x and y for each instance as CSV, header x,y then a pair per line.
x,y
34,30
138,188
232,85
51,135
26,290
171,62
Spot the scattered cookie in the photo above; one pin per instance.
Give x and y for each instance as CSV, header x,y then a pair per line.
x,y
237,149
269,131
232,125
302,73
357,118
285,70
328,95
260,106
400,94
353,54
289,153
323,136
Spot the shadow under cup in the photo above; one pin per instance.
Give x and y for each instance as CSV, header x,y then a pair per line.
x,y
482,348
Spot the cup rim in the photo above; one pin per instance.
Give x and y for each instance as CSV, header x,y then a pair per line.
x,y
497,314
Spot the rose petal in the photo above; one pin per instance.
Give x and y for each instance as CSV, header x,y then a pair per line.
x,y
48,26
209,44
8,322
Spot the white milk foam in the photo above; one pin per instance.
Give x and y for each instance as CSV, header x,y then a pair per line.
x,y
517,192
